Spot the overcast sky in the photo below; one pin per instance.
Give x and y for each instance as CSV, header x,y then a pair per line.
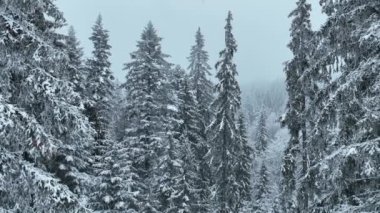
x,y
261,28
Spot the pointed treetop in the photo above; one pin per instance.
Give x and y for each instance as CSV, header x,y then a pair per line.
x,y
231,46
73,41
227,68
100,64
199,38
228,26
98,29
149,29
300,30
74,45
99,20
227,54
150,25
100,35
198,56
150,34
229,16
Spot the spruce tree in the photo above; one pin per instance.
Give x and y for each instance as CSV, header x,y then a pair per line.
x,y
225,140
288,182
344,136
262,190
203,90
199,71
185,197
169,160
75,71
99,82
298,87
244,164
44,134
188,194
145,113
261,174
262,138
99,93
166,192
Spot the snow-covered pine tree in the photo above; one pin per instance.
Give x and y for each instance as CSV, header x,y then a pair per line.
x,y
223,129
203,90
44,135
146,126
248,110
169,159
187,197
99,83
119,183
262,191
244,164
118,120
344,143
106,193
170,165
295,117
288,182
99,93
75,71
118,190
114,191
199,71
261,138
261,203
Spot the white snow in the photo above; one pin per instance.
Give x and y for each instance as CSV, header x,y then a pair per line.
x,y
116,180
172,108
107,199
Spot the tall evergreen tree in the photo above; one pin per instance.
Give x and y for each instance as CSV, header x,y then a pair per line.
x,y
288,182
44,135
199,71
146,126
187,197
170,163
262,191
203,90
344,139
99,92
168,197
99,81
244,164
262,138
225,140
297,88
261,202
75,71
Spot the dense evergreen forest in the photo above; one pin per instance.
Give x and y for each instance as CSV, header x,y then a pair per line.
x,y
170,139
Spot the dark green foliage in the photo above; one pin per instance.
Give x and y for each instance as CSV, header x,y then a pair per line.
x,y
99,83
297,87
244,164
225,144
146,121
